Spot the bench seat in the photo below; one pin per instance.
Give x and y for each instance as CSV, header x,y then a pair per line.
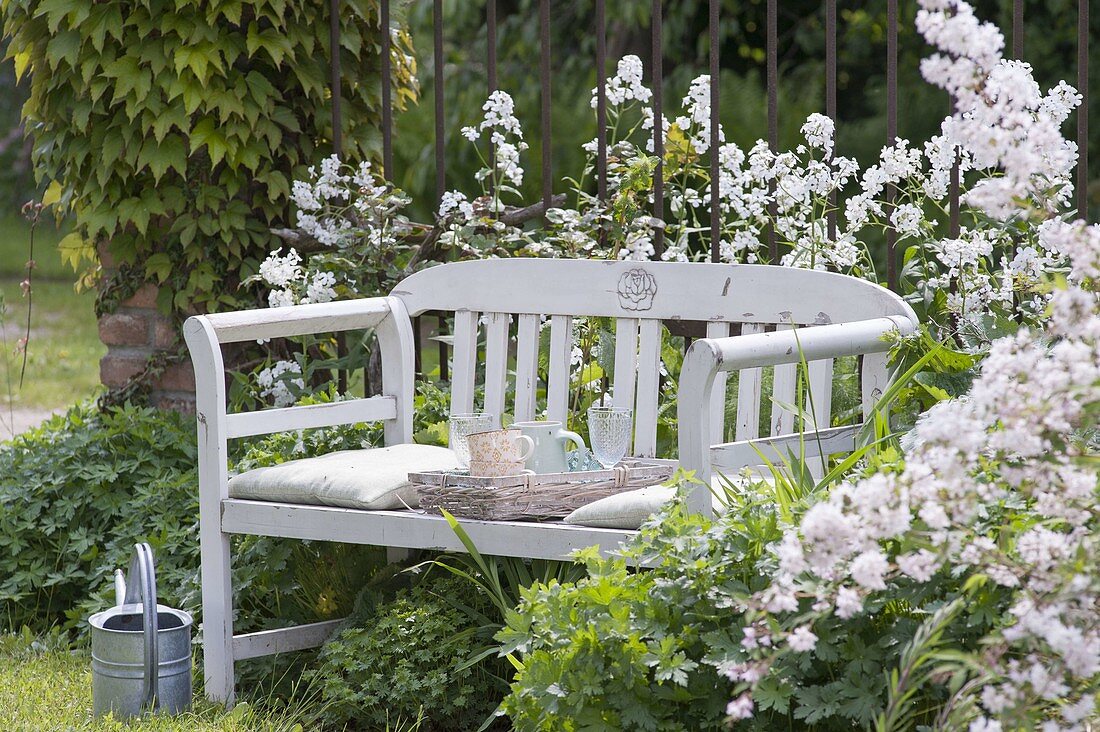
x,y
414,530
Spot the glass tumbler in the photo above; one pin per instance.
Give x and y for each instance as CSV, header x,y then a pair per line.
x,y
463,425
609,431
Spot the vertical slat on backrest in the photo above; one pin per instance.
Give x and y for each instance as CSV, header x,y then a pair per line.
x,y
557,387
819,402
718,396
645,411
748,395
626,362
819,406
527,362
496,363
465,356
783,387
874,380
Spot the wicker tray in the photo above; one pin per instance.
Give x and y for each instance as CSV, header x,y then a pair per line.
x,y
530,497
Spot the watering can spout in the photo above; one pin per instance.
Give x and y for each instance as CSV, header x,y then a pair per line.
x,y
120,587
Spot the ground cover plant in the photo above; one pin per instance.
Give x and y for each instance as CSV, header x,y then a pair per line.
x,y
409,657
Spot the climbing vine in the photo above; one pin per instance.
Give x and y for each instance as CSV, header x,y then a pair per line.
x,y
170,131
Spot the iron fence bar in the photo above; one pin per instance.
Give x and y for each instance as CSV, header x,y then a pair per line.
x,y
772,44
491,69
387,101
491,40
335,92
1018,29
440,148
891,136
953,188
334,76
830,96
601,101
715,67
1083,111
658,127
418,347
440,122
544,81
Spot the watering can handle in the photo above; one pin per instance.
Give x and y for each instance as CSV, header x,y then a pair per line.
x,y
145,590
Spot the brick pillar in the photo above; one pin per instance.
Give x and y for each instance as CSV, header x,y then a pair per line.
x,y
133,334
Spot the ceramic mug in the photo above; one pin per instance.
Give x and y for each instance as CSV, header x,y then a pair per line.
x,y
499,446
497,469
549,439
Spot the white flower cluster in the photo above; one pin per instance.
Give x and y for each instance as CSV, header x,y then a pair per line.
x,y
454,206
802,187
1017,437
291,284
626,85
1002,118
695,122
506,134
275,382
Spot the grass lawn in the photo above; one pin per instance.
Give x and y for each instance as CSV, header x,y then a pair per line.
x,y
64,349
51,689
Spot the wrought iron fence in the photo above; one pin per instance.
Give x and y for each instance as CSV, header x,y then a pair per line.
x,y
715,62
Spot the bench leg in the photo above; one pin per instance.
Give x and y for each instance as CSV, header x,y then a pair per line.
x,y
217,614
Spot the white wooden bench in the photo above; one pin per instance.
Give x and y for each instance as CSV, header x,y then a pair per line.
x,y
738,303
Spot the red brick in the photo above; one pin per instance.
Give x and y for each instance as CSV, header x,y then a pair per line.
x,y
122,329
145,297
177,377
105,259
116,371
165,335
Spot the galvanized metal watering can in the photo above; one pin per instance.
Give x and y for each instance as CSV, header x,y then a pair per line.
x,y
141,651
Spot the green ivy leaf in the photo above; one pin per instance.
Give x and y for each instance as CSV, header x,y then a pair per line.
x,y
204,133
64,46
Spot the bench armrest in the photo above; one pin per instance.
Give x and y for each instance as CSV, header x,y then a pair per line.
x,y
297,320
707,357
205,335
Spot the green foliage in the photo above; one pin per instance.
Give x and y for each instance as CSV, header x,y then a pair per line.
x,y
647,650
406,657
171,131
78,492
71,498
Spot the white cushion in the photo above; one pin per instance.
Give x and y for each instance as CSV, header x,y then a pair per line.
x,y
630,509
373,479
626,510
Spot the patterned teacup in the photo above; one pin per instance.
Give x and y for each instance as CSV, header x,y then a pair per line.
x,y
497,469
499,452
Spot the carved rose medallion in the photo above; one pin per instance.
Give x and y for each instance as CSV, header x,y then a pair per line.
x,y
636,290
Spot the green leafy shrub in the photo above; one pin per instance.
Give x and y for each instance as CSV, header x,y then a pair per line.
x,y
73,494
408,656
171,131
649,650
79,491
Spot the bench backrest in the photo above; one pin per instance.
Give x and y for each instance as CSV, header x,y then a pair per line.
x,y
511,298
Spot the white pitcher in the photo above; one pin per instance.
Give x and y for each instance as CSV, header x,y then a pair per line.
x,y
550,439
